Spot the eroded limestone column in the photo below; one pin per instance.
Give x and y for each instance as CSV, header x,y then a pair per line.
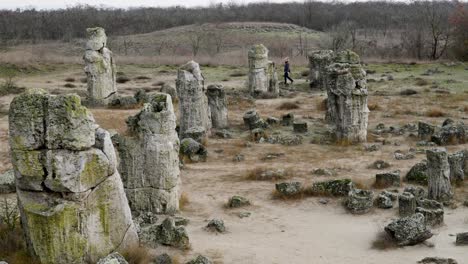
x,y
347,109
318,62
218,106
193,103
438,175
99,67
149,158
263,78
70,196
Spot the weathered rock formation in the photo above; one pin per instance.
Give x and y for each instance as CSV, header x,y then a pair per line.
x,y
99,67
432,210
438,171
218,106
406,204
409,230
318,62
347,93
71,199
360,201
193,103
149,158
262,72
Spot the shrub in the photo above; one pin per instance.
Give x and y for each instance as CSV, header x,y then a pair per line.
x,y
304,73
70,79
237,74
434,112
183,201
137,255
122,79
69,85
374,107
9,87
421,82
142,78
288,106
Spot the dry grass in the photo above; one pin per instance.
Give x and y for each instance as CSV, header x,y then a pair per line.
x,y
373,106
13,247
142,78
183,201
421,82
113,119
137,255
322,105
362,183
122,79
288,106
383,241
435,112
465,109
69,85
70,79
237,74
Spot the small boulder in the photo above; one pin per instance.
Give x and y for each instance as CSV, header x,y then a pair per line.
x,y
289,188
197,133
418,173
399,155
300,126
200,260
114,258
216,225
406,204
252,120
437,260
410,230
123,102
167,233
287,119
332,187
360,201
193,150
418,191
384,202
323,172
380,165
272,121
425,130
432,210
462,239
450,134
237,201
371,147
7,182
163,259
388,179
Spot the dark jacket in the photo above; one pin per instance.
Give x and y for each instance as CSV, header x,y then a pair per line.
x,y
286,67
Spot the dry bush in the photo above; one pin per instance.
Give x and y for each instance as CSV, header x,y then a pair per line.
x,y
298,196
84,80
122,79
363,184
137,255
322,106
373,106
383,241
69,85
9,87
465,109
257,174
305,73
160,83
434,112
237,74
421,82
142,78
70,79
183,201
288,106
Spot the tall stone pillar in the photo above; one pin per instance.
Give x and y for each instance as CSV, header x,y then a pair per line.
x,y
193,103
438,175
218,106
149,158
347,109
318,62
71,199
263,78
99,68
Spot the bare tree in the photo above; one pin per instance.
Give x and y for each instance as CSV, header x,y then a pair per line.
x,y
195,39
435,16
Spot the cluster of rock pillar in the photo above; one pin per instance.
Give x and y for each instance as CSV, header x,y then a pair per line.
x,y
99,68
344,79
263,79
149,158
70,196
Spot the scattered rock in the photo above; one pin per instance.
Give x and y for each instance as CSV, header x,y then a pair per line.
x,y
410,230
239,158
271,156
408,92
450,134
425,130
360,201
216,225
244,214
123,102
287,119
287,140
196,133
200,260
323,172
403,156
406,204
418,191
300,126
418,173
388,179
167,233
380,165
193,150
223,133
371,147
252,120
163,259
114,258
238,201
289,188
384,201
432,210
462,239
437,260
332,187
272,121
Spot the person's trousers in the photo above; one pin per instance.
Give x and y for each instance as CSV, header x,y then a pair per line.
x,y
286,78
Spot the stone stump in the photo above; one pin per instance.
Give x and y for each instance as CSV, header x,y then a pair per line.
x,y
457,164
388,179
300,126
438,171
347,110
193,103
149,158
360,201
70,196
406,204
252,120
99,68
432,210
263,79
218,106
318,62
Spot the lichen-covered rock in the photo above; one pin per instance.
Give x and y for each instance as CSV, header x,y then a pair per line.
x,y
99,67
252,120
167,233
406,204
432,210
200,260
163,259
193,150
318,63
287,119
166,88
258,135
438,171
457,166
425,130
388,179
141,96
332,187
7,182
193,103
114,258
462,238
300,126
197,133
410,230
218,106
216,225
287,140
123,102
360,201
263,78
149,158
237,201
437,260
384,201
347,109
418,191
450,134
288,188
71,200
380,165
418,173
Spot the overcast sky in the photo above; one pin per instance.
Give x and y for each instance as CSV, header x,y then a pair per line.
x,y
54,4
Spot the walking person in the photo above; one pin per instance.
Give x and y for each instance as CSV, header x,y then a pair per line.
x,y
287,71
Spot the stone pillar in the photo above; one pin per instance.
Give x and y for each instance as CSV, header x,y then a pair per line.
x,y
406,204
318,62
457,164
193,103
218,106
149,158
71,199
263,78
438,173
99,68
347,108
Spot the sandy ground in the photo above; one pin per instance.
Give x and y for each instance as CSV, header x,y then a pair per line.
x,y
289,231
